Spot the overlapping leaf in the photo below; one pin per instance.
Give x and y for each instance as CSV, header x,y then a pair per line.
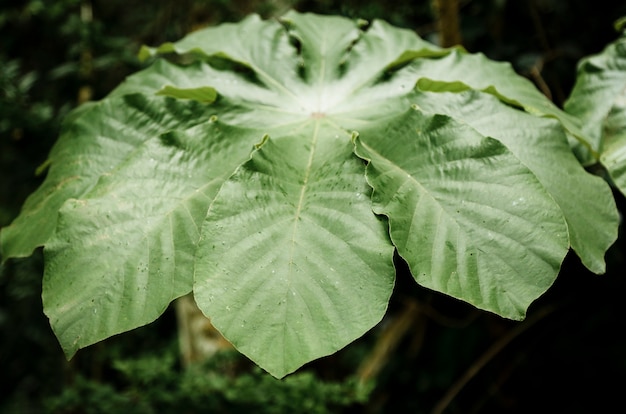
x,y
95,139
541,145
124,250
599,100
292,232
234,174
461,209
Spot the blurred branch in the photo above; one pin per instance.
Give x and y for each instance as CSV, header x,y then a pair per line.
x,y
447,14
535,74
389,340
541,33
198,339
489,355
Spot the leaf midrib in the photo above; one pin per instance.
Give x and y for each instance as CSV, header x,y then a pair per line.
x,y
303,189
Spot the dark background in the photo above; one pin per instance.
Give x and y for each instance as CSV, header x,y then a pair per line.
x,y
568,356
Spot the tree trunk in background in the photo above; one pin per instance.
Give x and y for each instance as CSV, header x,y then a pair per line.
x,y
447,15
198,339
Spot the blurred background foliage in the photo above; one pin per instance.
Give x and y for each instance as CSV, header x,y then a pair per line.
x,y
431,354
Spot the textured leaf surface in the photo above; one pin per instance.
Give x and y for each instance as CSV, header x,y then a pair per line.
x,y
234,174
591,215
461,210
599,100
95,140
124,251
293,231
456,72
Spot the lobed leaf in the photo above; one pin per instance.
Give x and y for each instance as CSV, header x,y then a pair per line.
x,y
599,99
202,94
591,215
292,264
460,71
95,140
125,250
232,173
468,217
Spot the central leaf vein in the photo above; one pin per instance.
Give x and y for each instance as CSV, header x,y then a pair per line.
x,y
305,181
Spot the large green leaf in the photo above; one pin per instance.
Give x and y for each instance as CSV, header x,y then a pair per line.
x,y
292,231
456,73
233,174
461,209
125,250
95,140
599,100
591,215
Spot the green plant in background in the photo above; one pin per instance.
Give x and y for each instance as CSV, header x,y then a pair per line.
x,y
15,107
275,169
153,384
18,113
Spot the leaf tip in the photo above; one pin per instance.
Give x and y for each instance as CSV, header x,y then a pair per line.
x,y
354,136
203,94
145,53
259,144
362,23
620,24
43,167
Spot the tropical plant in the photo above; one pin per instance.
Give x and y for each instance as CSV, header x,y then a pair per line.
x,y
599,101
273,167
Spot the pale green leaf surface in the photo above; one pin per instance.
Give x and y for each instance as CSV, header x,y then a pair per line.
x,y
292,264
599,100
324,41
372,85
384,48
468,217
239,90
93,142
124,251
255,44
600,81
586,200
614,146
459,71
289,260
204,94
